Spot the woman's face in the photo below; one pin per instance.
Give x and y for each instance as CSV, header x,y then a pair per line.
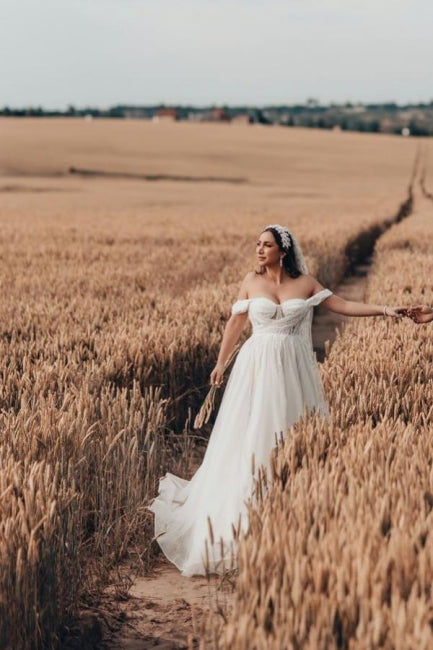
x,y
267,250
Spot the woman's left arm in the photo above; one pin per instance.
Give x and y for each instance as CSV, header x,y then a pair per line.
x,y
350,308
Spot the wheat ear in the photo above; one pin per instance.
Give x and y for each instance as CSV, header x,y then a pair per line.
x,y
207,407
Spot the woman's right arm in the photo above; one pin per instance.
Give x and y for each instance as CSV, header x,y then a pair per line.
x,y
232,332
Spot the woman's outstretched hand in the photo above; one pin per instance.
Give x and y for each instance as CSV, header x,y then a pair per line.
x,y
420,314
216,376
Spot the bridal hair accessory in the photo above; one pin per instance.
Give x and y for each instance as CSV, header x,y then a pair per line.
x,y
289,241
284,234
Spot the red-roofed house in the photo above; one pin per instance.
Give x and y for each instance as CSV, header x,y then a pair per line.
x,y
166,114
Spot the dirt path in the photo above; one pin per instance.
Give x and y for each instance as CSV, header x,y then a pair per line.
x,y
163,610
326,322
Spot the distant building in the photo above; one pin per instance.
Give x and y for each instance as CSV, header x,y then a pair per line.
x,y
242,118
412,114
270,116
135,114
213,115
166,115
387,125
219,115
357,108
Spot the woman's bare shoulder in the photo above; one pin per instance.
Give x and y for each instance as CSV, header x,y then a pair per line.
x,y
312,283
250,276
247,283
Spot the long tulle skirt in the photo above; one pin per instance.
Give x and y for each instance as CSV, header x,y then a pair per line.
x,y
273,381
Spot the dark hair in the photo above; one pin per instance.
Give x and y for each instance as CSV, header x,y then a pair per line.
x,y
290,264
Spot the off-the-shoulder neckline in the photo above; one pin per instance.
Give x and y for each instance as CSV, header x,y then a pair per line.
x,y
278,304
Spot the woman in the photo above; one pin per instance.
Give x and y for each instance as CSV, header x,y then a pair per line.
x,y
274,379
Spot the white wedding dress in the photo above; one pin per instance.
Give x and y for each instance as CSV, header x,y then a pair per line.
x,y
274,379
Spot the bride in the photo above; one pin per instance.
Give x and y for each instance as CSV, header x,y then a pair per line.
x,y
274,379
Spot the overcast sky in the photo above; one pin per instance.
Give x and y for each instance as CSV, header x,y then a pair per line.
x,y
103,52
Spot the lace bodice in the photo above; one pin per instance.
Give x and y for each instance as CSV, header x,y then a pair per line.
x,y
292,316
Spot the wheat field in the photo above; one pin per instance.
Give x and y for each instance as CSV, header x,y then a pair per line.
x,y
115,292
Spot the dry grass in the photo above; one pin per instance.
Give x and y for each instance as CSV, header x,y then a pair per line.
x,y
339,552
114,296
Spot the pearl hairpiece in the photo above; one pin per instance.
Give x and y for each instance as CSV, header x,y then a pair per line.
x,y
284,234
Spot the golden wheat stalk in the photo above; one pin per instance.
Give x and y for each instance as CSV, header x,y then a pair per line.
x,y
207,407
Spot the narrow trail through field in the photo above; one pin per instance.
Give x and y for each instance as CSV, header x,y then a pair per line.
x,y
326,323
160,609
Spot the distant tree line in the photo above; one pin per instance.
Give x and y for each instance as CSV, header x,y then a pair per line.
x,y
388,117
